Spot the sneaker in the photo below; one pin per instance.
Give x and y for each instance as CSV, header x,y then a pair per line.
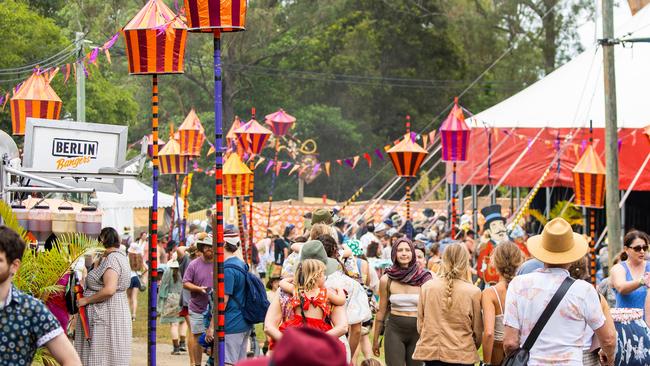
x,y
182,347
176,351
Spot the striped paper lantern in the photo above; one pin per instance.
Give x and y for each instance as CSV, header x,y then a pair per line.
x,y
232,144
252,136
34,98
161,143
280,122
454,136
589,180
191,135
171,159
211,15
407,157
236,177
155,40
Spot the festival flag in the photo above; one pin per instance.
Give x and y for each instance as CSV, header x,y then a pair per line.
x,y
387,147
368,159
316,169
355,160
379,154
349,162
293,170
108,55
67,73
339,162
425,140
327,168
432,135
268,166
5,100
260,161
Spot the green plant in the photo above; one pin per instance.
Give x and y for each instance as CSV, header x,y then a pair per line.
x,y
39,272
564,209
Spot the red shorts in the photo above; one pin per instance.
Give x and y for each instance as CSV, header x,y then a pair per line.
x,y
183,313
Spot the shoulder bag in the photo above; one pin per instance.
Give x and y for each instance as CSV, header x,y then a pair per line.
x,y
520,356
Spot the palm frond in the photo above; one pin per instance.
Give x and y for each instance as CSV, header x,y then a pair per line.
x,y
10,220
40,271
537,215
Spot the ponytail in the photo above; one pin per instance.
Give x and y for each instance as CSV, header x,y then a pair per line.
x,y
622,256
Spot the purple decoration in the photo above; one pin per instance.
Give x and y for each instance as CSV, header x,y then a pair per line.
x,y
268,166
316,169
349,162
93,55
583,146
111,41
286,165
379,154
620,145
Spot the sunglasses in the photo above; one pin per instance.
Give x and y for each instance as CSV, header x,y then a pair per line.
x,y
639,248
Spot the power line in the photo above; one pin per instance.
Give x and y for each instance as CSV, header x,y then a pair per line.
x,y
28,68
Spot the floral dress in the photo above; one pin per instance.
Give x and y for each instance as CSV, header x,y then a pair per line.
x,y
110,320
295,320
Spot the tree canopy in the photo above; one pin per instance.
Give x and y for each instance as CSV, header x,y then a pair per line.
x,y
349,70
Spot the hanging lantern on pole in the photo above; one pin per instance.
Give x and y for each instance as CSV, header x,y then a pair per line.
x,y
252,136
161,143
407,158
236,184
589,188
172,161
155,44
454,136
231,138
34,98
280,123
211,16
191,135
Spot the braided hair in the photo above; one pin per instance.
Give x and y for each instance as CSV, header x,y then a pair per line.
x,y
455,263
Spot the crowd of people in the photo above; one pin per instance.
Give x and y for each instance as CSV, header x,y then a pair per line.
x,y
363,290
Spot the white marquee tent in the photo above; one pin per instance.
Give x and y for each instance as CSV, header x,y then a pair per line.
x,y
120,210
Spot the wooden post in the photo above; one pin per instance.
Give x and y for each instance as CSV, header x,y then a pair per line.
x,y
611,133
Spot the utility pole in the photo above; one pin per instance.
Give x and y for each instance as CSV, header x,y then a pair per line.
x,y
301,189
611,133
81,79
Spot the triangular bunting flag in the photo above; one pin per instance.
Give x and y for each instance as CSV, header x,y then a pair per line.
x,y
349,162
432,135
293,170
268,166
425,140
108,55
339,162
355,160
260,161
327,168
379,154
387,147
368,159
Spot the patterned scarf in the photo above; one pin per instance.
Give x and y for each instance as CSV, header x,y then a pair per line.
x,y
411,275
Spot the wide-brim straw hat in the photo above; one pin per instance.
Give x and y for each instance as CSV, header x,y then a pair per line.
x,y
558,244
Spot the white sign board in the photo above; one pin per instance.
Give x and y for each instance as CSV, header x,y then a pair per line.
x,y
76,152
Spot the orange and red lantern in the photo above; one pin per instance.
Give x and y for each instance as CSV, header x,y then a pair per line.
x,y
589,180
155,40
210,15
191,135
454,135
252,136
172,160
231,138
34,98
280,122
236,177
407,157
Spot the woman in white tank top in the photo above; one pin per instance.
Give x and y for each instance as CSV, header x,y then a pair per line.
x,y
507,257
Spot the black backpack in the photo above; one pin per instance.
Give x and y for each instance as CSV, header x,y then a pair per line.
x,y
71,293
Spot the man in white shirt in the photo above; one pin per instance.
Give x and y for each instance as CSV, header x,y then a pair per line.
x,y
368,237
562,339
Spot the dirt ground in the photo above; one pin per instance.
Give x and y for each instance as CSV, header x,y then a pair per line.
x,y
163,355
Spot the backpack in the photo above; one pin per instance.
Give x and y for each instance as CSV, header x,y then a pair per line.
x,y
71,293
255,301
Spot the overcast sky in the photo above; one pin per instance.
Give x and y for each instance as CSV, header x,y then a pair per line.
x,y
588,30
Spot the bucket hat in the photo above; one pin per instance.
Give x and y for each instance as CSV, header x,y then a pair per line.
x,y
314,249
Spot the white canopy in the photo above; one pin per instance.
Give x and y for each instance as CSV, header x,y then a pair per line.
x,y
134,195
118,208
573,94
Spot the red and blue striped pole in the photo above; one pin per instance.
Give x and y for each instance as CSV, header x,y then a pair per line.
x,y
217,240
153,235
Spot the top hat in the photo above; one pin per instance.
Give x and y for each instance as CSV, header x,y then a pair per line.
x,y
492,213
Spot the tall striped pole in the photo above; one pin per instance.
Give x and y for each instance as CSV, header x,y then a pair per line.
x,y
453,200
276,171
153,235
408,199
217,240
240,225
592,243
251,199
